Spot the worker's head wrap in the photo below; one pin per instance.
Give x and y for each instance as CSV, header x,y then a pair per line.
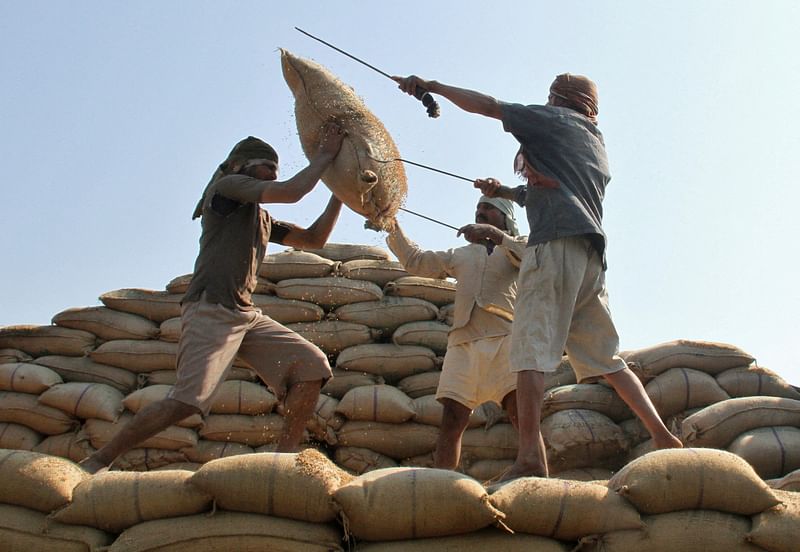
x,y
578,93
246,153
506,207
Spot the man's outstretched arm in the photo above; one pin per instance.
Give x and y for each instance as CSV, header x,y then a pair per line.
x,y
468,100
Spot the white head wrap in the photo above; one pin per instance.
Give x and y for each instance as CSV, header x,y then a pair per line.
x,y
507,208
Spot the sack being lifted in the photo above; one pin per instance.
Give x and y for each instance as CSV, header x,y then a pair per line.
x,y
366,174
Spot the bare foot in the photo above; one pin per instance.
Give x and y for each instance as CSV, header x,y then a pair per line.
x,y
91,465
522,469
667,441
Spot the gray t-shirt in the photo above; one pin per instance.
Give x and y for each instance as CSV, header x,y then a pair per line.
x,y
566,146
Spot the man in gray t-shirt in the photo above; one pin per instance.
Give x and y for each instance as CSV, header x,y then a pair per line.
x,y
562,303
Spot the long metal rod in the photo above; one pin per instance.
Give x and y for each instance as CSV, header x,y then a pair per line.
x,y
351,56
428,218
435,170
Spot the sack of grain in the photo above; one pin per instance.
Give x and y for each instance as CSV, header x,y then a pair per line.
x,y
147,459
243,397
679,389
85,400
170,330
563,375
498,442
585,474
447,314
411,503
776,529
428,410
180,284
706,356
295,264
154,393
789,482
37,481
137,356
347,252
85,369
328,292
296,486
24,409
14,355
388,314
586,396
228,531
361,460
434,290
772,451
248,430
22,529
100,432
169,377
107,323
333,336
376,403
751,381
47,340
153,305
719,424
136,496
420,385
365,175
379,272
66,445
18,437
485,470
477,541
324,421
391,362
561,509
25,377
396,441
345,380
205,451
583,438
430,334
288,311
685,479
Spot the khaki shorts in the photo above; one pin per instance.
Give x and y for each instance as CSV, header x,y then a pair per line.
x,y
212,335
477,371
562,305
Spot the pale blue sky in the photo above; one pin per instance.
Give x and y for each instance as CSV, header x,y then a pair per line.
x,y
114,114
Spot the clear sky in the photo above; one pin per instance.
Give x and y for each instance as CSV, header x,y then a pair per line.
x,y
114,114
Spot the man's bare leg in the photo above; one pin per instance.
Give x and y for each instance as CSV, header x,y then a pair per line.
x,y
147,422
301,399
448,446
510,406
531,456
631,390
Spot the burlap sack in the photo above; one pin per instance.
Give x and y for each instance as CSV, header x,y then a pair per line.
x,y
85,369
396,441
37,481
170,330
410,503
561,509
47,340
585,474
66,445
345,380
136,497
686,531
239,428
391,362
153,393
328,292
485,470
563,375
477,541
772,451
205,451
776,529
361,460
107,323
692,479
428,410
25,377
22,529
376,403
153,305
388,314
180,284
295,264
447,314
288,311
789,482
18,437
498,442
14,355
750,381
430,334
347,252
137,356
186,466
719,424
379,272
24,409
296,486
436,291
365,174
679,389
706,356
586,396
583,438
333,336
100,432
169,377
325,420
420,385
243,397
147,459
228,531
85,400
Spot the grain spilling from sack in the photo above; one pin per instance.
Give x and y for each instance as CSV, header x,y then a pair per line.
x,y
365,175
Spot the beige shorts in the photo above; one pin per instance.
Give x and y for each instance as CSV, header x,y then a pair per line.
x,y
212,335
477,371
562,305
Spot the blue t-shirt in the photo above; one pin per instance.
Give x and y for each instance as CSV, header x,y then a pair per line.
x,y
564,145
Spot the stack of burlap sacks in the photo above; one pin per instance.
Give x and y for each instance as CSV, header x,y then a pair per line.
x,y
65,389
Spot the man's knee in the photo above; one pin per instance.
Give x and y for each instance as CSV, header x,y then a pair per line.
x,y
455,415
